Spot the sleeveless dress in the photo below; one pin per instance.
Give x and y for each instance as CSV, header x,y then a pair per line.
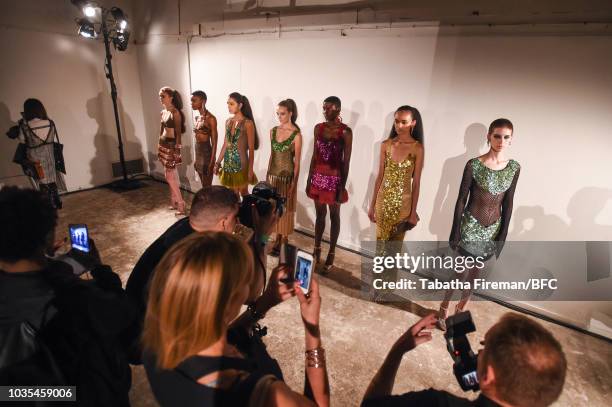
x,y
232,174
480,227
168,154
203,150
326,175
394,198
280,176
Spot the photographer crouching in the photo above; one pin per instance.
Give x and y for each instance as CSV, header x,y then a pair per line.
x,y
218,209
521,364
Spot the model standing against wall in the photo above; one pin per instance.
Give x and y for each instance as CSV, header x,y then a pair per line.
x,y
284,164
396,191
488,184
169,149
205,133
239,145
328,173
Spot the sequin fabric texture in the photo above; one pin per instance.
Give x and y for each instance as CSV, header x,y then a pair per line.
x,y
325,182
491,186
329,150
394,197
231,158
325,179
494,181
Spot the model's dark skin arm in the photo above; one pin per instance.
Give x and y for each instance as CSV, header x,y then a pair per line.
x,y
312,159
416,182
212,124
348,148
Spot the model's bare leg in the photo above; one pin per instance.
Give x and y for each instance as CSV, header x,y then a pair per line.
x,y
321,213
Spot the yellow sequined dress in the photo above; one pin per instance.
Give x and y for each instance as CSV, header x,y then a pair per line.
x,y
394,199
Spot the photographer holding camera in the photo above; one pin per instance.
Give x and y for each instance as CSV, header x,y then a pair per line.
x,y
521,364
218,209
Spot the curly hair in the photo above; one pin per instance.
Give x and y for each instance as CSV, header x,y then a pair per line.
x,y
27,218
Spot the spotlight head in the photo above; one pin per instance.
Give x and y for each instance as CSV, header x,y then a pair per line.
x,y
89,11
86,29
121,40
118,15
122,25
88,8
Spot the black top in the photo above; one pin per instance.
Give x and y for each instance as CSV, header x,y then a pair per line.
x,y
179,386
84,325
430,398
137,284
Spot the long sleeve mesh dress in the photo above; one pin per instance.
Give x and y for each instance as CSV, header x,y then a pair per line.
x,y
480,227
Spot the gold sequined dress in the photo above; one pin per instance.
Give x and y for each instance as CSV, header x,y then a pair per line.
x,y
280,175
394,199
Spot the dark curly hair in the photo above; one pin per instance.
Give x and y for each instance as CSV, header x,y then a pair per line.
x,y
27,218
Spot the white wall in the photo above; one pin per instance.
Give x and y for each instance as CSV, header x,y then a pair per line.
x,y
166,62
556,90
45,59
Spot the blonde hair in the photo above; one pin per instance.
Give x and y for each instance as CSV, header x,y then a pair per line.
x,y
192,286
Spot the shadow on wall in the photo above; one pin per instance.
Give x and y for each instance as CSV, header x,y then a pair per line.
x,y
105,139
532,223
302,216
448,187
369,232
10,173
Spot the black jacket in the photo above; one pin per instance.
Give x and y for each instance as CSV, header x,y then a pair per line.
x,y
85,326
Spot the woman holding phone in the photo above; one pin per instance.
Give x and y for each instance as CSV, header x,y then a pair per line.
x,y
196,293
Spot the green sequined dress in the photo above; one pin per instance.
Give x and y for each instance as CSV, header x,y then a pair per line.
x,y
480,227
234,173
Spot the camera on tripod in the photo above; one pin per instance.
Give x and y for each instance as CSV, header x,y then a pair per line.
x,y
262,197
458,345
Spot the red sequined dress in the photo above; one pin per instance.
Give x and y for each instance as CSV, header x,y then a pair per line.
x,y
326,177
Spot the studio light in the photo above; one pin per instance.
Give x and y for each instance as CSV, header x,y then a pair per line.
x,y
86,29
89,11
121,40
112,26
119,17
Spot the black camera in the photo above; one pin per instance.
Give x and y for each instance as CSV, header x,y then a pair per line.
x,y
13,132
262,197
464,368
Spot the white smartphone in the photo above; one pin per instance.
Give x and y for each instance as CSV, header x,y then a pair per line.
x,y
303,270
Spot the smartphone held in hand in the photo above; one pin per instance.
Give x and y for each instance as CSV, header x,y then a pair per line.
x,y
303,270
79,237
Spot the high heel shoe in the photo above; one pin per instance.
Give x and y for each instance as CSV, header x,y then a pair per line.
x,y
329,262
180,209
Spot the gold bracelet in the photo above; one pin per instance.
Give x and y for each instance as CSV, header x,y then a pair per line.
x,y
315,357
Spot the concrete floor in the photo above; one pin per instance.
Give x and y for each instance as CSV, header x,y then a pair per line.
x,y
356,333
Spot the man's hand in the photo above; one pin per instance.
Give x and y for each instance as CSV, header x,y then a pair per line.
x,y
263,225
276,291
417,334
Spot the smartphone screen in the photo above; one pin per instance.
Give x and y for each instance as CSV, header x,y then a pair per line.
x,y
79,237
470,379
303,270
